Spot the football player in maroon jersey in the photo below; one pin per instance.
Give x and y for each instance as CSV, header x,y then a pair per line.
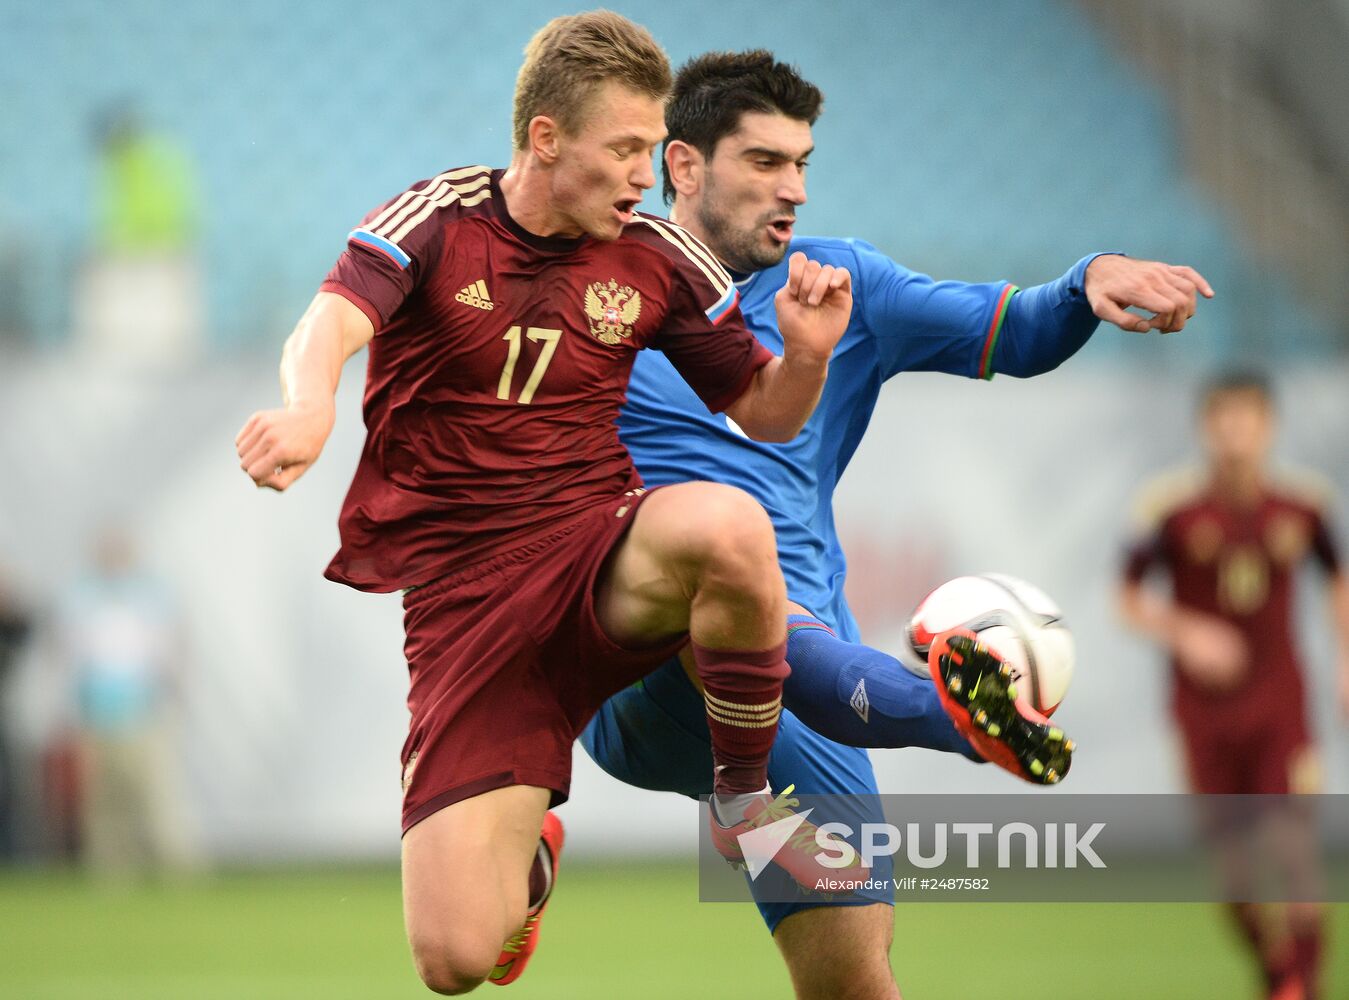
x,y
1231,537
502,310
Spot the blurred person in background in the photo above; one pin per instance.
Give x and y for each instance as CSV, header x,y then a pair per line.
x,y
15,628
1230,537
119,637
139,294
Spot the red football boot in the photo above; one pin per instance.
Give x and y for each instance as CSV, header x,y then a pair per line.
x,y
517,950
975,687
799,856
1290,988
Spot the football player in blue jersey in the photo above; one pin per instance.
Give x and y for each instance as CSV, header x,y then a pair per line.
x,y
735,166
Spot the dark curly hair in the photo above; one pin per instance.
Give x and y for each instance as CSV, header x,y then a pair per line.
x,y
713,90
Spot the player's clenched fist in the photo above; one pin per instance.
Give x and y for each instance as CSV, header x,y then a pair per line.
x,y
813,307
277,446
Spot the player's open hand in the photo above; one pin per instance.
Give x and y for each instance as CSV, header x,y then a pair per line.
x,y
1167,291
1210,651
276,447
813,307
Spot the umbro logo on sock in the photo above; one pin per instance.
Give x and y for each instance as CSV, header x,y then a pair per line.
x,y
859,701
475,295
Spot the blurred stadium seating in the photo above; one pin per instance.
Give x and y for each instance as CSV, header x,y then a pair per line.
x,y
969,139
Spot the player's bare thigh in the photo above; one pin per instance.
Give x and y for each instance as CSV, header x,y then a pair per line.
x,y
839,952
699,558
465,882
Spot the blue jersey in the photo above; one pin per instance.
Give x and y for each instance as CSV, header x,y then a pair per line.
x,y
901,321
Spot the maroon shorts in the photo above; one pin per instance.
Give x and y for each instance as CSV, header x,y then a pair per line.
x,y
1272,759
508,663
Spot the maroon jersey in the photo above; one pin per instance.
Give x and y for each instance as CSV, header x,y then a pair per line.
x,y
499,364
1237,563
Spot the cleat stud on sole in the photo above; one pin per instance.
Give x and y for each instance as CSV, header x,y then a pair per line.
x,y
1069,746
1055,733
1052,777
981,719
1011,691
954,685
994,730
1005,671
1037,767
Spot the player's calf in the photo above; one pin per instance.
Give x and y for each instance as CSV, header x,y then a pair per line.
x,y
862,697
520,946
736,624
465,883
976,689
701,558
839,952
738,597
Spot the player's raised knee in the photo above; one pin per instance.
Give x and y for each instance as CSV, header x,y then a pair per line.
x,y
728,525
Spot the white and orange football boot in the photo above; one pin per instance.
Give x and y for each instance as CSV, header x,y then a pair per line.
x,y
975,687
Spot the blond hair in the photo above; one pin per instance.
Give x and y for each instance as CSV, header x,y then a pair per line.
x,y
571,56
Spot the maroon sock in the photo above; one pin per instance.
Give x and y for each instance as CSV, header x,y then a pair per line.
x,y
1307,955
742,691
1246,917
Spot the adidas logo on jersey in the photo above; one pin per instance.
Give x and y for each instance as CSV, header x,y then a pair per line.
x,y
475,295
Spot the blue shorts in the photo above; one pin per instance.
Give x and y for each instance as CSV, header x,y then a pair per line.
x,y
654,735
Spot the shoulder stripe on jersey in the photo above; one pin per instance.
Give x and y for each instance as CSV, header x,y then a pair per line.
x,y
994,331
1164,494
376,242
419,204
417,213
695,247
398,203
723,306
419,209
719,278
1303,485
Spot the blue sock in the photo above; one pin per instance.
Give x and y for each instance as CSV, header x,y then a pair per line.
x,y
861,697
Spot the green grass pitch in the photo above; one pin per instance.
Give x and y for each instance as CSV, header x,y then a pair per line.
x,y
630,930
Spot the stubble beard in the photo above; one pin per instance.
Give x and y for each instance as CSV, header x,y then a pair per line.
x,y
744,250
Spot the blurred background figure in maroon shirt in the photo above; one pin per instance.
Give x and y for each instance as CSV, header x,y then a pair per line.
x,y
1230,537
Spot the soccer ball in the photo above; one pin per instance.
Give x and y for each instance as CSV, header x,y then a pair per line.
x,y
1016,620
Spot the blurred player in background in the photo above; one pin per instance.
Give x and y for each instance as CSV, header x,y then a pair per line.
x,y
503,310
735,164
1230,538
120,635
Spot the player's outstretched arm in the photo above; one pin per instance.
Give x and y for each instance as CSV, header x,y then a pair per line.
x,y
813,310
1115,283
277,446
